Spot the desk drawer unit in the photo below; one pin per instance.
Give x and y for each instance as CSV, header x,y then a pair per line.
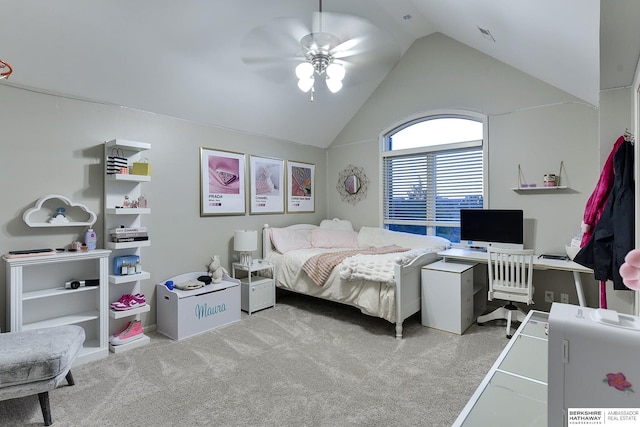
x,y
447,296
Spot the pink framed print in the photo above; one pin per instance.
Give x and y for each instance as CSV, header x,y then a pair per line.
x,y
222,182
267,185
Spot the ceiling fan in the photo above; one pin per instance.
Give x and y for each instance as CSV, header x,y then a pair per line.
x,y
329,47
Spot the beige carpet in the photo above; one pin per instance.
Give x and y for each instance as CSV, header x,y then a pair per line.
x,y
305,362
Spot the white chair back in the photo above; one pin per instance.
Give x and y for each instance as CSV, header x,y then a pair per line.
x,y
511,274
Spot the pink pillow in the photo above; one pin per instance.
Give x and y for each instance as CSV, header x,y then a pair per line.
x,y
327,238
287,240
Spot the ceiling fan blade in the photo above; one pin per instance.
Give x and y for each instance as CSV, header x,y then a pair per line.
x,y
278,37
347,48
343,26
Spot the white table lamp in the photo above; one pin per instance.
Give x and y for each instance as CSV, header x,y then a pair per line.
x,y
245,242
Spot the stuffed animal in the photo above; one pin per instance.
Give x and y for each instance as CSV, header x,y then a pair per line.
x,y
630,270
216,271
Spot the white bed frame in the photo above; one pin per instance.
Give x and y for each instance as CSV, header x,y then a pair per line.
x,y
408,278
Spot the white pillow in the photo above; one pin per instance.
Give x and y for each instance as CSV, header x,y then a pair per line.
x,y
287,240
376,236
327,238
336,224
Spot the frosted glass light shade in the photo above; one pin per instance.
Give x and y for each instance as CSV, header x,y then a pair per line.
x,y
334,85
335,71
304,70
245,240
305,84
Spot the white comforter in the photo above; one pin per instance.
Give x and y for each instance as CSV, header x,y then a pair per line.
x,y
377,268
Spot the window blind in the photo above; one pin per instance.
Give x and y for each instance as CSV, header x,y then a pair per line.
x,y
430,188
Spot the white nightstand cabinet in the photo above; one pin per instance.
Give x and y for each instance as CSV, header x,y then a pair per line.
x,y
257,292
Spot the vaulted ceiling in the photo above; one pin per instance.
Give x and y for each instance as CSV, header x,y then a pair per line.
x,y
231,63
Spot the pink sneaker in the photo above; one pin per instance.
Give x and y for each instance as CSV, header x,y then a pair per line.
x,y
127,302
132,332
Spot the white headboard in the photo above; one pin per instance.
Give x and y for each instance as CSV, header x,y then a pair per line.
x,y
267,245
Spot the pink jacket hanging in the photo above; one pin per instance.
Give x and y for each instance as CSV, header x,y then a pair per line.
x,y
597,201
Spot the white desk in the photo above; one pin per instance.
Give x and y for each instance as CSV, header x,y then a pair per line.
x,y
538,264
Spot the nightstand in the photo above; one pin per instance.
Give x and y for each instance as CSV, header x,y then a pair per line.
x,y
257,291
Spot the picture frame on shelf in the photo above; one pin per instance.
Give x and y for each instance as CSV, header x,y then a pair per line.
x,y
300,187
267,185
222,182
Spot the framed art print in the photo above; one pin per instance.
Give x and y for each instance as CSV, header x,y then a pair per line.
x,y
300,187
222,182
267,185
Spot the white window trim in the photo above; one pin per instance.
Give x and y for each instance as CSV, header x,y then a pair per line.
x,y
433,114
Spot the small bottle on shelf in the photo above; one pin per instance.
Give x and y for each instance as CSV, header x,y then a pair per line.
x,y
90,239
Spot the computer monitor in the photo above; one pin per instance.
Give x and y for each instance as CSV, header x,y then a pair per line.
x,y
502,228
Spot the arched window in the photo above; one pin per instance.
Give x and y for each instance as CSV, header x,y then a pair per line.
x,y
432,167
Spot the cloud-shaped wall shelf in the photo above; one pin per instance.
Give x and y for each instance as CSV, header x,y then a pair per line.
x,y
43,214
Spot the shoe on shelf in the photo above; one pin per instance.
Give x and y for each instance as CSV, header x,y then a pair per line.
x,y
140,298
131,332
127,302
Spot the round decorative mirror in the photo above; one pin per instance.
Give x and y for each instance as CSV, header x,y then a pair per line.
x,y
352,184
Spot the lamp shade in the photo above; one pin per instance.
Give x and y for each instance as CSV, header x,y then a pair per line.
x,y
245,240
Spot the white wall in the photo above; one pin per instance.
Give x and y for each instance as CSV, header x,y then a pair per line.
x,y
54,145
530,123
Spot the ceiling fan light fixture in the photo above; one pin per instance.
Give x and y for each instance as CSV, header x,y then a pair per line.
x,y
305,84
304,70
334,85
335,71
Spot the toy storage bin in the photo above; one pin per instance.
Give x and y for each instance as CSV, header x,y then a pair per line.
x,y
182,314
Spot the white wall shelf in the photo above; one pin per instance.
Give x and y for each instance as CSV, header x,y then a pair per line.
x,y
118,280
128,211
37,297
40,215
525,188
116,187
128,177
127,245
540,189
130,346
115,314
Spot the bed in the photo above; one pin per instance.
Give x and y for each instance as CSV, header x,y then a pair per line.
x,y
376,270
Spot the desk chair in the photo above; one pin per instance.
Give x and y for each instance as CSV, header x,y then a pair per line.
x,y
510,279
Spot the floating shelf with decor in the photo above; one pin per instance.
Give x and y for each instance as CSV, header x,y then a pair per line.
x,y
45,213
124,208
523,187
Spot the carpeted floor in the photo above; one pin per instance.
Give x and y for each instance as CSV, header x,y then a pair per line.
x,y
305,362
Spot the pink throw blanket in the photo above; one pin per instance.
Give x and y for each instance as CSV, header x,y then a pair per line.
x,y
319,267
